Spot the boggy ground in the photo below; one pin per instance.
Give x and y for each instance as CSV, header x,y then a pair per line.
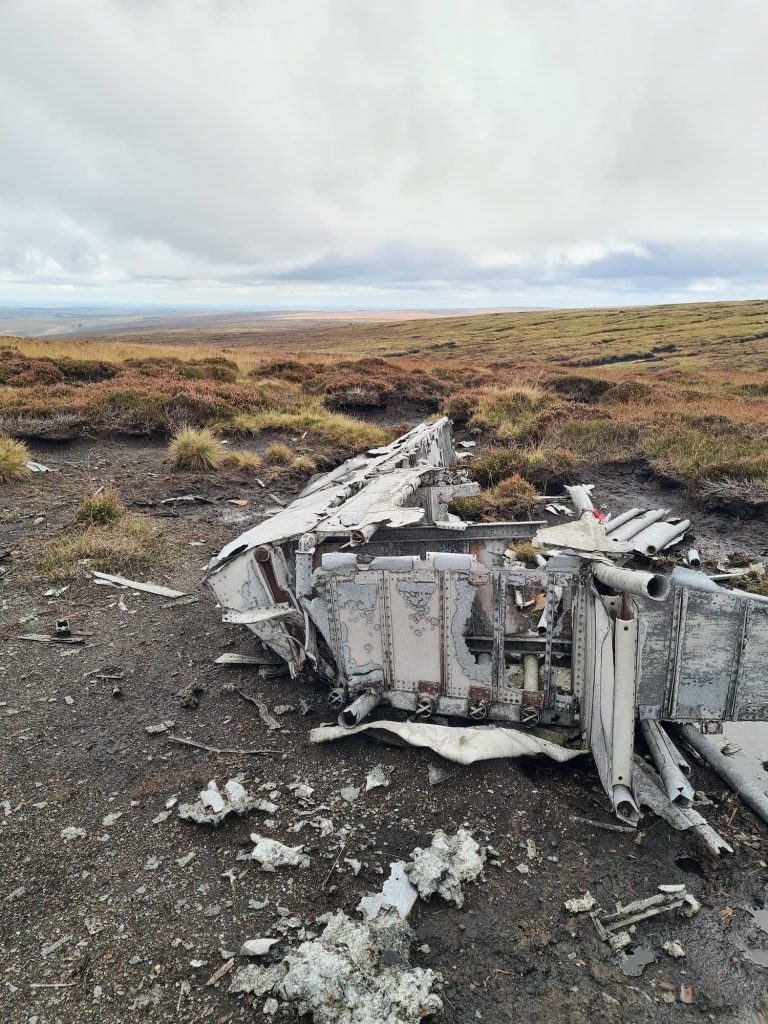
x,y
73,753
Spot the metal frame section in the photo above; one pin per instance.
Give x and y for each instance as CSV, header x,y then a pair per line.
x,y
369,578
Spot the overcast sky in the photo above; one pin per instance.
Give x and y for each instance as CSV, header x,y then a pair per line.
x,y
383,153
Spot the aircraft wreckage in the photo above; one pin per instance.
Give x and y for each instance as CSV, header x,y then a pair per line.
x,y
393,600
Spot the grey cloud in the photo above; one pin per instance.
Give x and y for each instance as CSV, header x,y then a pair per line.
x,y
333,148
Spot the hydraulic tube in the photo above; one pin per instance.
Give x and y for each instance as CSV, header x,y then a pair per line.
x,y
614,524
635,526
629,581
659,536
728,772
359,709
667,759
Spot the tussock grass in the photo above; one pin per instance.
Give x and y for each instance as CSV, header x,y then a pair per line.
x,y
196,449
124,546
241,460
542,464
511,498
304,464
526,552
278,454
101,508
14,456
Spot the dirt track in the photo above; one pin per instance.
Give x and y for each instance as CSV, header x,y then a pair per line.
x,y
73,753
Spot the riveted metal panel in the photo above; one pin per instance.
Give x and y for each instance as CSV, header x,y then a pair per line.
x,y
356,605
414,609
708,649
751,696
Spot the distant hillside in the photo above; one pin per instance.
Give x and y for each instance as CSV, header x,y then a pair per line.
x,y
718,335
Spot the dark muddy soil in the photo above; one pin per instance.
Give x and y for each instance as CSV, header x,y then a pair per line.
x,y
142,934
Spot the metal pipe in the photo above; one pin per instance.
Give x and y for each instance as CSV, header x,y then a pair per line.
x,y
631,529
728,772
629,581
677,787
614,524
693,558
659,536
580,496
531,673
359,709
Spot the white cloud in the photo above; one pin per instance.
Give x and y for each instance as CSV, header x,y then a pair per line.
x,y
342,152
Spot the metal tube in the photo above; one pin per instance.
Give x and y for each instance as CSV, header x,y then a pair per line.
x,y
580,497
628,581
727,771
631,529
531,673
693,558
614,524
677,787
659,536
359,709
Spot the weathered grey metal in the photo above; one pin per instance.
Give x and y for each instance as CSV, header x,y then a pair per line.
x,y
655,538
693,558
392,600
633,527
727,770
667,759
616,521
630,581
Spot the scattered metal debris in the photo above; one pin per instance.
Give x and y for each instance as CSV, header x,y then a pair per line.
x,y
445,865
160,727
38,467
212,806
149,588
398,892
257,947
617,929
650,792
673,948
270,854
375,778
270,722
581,904
353,973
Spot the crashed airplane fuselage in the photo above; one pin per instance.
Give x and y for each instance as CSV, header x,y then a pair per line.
x,y
394,600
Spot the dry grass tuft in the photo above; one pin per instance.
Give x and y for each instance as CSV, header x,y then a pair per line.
x,y
196,449
278,455
542,464
101,508
512,498
124,546
14,456
241,460
304,464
